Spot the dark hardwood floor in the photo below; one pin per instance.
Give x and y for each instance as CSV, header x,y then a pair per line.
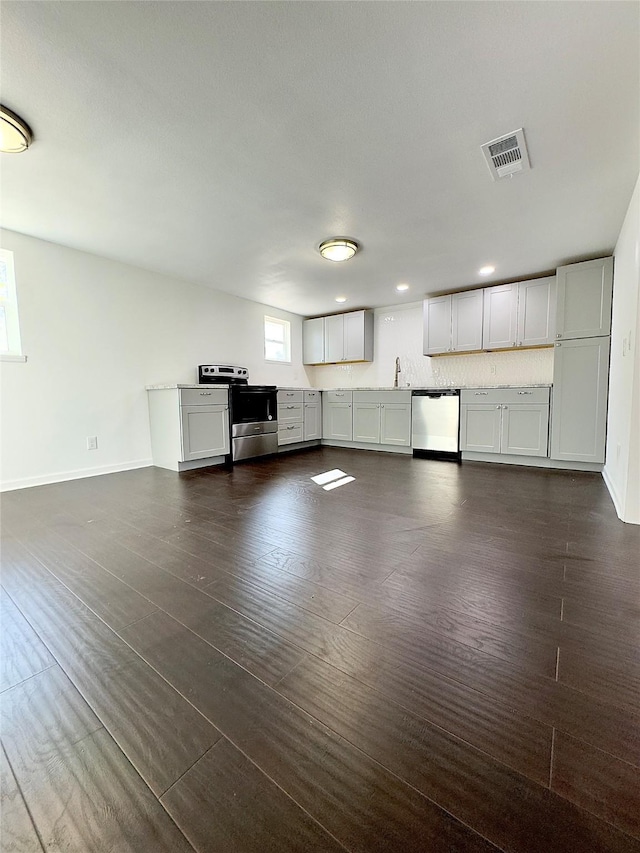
x,y
433,658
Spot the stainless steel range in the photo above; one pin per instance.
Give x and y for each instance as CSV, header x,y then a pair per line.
x,y
253,408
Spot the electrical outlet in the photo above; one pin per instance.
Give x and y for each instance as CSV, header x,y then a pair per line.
x,y
493,370
92,442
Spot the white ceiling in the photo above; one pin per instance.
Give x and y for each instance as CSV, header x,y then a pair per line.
x,y
222,141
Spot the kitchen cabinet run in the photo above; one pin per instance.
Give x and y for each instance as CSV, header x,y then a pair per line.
x,y
189,427
338,338
453,323
521,314
380,418
512,421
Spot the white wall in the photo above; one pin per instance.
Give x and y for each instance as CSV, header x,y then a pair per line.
x,y
95,333
398,332
622,468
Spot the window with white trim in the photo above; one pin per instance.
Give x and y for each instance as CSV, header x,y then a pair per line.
x,y
277,339
10,346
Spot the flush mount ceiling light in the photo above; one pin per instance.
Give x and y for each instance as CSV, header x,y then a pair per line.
x,y
486,270
341,298
338,249
402,287
15,134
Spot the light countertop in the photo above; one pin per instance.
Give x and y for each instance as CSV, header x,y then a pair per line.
x,y
208,386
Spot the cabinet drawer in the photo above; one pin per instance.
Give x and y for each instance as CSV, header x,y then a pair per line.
x,y
339,396
311,396
504,395
289,413
204,396
289,434
285,396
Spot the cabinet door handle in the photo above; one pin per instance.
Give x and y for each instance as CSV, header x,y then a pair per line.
x,y
205,393
339,395
481,393
525,392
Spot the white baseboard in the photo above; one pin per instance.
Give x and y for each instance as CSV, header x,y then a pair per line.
x,y
613,493
63,476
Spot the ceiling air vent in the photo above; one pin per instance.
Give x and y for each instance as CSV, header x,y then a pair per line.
x,y
507,155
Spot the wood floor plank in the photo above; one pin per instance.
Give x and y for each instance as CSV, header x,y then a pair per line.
x,y
259,650
83,794
595,780
537,655
111,600
502,805
22,653
156,728
224,802
18,833
315,767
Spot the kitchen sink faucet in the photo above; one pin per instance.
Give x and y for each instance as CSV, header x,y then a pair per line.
x,y
398,370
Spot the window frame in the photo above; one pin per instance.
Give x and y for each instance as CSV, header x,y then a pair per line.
x,y
12,317
286,327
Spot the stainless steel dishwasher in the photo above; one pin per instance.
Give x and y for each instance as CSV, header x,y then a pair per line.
x,y
435,423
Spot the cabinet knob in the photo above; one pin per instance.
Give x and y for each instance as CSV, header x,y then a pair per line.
x,y
519,343
558,335
498,407
558,345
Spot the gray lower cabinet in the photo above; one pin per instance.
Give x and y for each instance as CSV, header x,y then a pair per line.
x,y
337,420
395,424
188,425
513,421
580,392
366,422
299,416
290,416
312,421
377,417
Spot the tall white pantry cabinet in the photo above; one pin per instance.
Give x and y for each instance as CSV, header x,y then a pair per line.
x,y
581,361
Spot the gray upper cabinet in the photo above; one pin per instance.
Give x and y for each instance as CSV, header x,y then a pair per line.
x,y
313,341
453,323
520,314
338,338
466,321
437,325
584,299
499,326
580,390
536,312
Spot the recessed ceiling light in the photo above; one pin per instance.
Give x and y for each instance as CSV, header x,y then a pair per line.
x,y
15,134
338,249
486,270
341,298
402,287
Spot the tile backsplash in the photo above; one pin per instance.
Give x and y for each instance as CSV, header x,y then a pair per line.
x,y
398,333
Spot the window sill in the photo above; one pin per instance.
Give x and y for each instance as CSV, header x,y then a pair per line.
x,y
277,361
6,356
